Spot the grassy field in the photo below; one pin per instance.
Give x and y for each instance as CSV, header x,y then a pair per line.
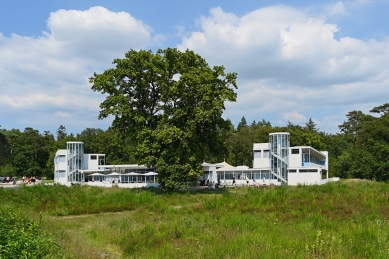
x,y
337,220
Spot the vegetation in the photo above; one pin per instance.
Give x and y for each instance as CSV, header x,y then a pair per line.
x,y
171,104
347,219
23,238
360,150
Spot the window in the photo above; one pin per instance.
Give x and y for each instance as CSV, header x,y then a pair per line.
x,y
308,170
60,159
101,160
266,154
228,175
257,153
295,151
324,174
293,171
93,157
60,174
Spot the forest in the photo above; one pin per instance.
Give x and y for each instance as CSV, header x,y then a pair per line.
x,y
359,150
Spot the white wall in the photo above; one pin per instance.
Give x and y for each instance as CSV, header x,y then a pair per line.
x,y
261,162
89,164
61,166
326,154
294,159
304,178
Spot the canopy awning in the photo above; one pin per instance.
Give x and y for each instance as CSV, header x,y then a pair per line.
x,y
114,173
132,173
96,174
151,173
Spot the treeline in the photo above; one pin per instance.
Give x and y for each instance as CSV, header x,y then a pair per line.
x,y
31,153
360,150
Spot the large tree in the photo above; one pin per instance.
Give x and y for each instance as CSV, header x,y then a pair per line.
x,y
170,104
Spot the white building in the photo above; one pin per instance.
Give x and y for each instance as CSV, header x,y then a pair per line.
x,y
72,165
275,163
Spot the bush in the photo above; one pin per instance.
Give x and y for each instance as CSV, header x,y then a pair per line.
x,y
22,238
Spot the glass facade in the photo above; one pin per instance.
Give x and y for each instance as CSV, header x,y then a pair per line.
x,y
279,159
307,158
241,175
75,153
59,159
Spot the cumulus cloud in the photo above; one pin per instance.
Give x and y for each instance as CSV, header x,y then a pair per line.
x,y
337,9
97,34
49,74
288,60
293,117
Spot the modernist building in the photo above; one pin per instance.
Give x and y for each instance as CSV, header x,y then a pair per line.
x,y
275,163
72,165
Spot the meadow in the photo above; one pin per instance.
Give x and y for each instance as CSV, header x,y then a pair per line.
x,y
348,219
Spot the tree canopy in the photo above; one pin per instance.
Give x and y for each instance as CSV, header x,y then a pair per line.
x,y
170,103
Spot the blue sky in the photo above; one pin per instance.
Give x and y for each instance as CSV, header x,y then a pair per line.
x,y
295,59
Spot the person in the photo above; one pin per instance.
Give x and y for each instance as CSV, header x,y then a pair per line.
x,y
264,178
247,180
14,181
255,184
233,179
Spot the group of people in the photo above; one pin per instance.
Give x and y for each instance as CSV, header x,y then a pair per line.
x,y
29,180
208,183
254,182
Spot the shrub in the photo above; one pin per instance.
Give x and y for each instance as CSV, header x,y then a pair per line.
x,y
22,238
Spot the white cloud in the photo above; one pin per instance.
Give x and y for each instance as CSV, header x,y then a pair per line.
x,y
337,9
358,3
289,64
50,73
294,117
289,61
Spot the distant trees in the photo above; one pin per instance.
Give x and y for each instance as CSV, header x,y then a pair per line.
x,y
359,150
25,153
366,145
61,132
4,149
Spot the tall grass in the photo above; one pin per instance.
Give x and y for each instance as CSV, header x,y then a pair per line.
x,y
336,220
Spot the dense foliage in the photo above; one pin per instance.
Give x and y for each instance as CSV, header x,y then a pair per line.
x,y
171,104
23,238
360,150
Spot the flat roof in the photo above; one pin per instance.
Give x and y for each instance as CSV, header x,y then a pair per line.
x,y
279,133
311,148
131,166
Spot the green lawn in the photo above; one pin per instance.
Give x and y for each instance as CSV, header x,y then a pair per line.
x,y
337,220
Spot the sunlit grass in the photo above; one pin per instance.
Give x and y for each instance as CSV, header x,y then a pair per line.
x,y
337,220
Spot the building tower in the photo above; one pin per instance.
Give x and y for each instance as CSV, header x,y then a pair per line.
x,y
75,153
279,143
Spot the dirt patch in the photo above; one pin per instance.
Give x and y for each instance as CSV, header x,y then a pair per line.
x,y
188,205
90,215
356,180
